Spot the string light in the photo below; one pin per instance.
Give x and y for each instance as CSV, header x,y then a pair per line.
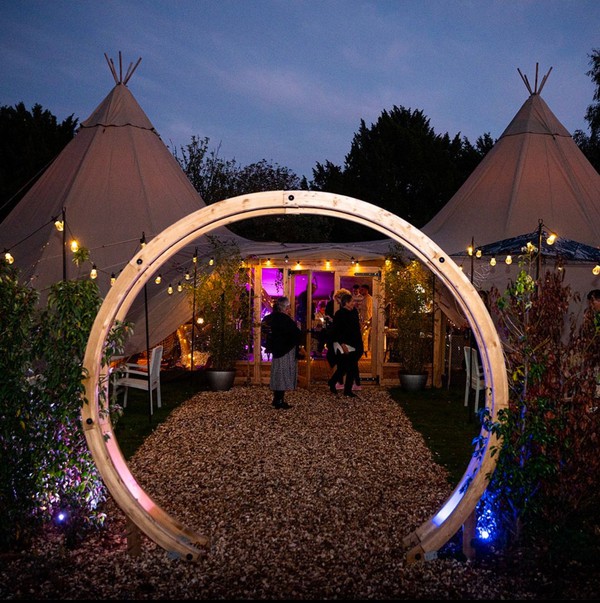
x,y
286,259
179,287
551,239
508,259
59,225
493,262
268,261
478,253
211,261
470,250
113,278
9,258
94,272
158,279
170,290
187,276
298,266
74,246
195,258
596,270
143,240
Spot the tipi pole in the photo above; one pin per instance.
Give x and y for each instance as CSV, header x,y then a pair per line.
x,y
195,260
142,244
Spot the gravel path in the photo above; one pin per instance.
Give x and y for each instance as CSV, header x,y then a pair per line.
x,y
309,503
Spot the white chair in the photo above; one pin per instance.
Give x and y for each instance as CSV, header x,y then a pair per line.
x,y
136,375
475,378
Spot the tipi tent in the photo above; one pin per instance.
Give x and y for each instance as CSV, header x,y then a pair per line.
x,y
534,175
113,184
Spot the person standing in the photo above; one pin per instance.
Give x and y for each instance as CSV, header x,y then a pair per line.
x,y
347,343
366,316
284,338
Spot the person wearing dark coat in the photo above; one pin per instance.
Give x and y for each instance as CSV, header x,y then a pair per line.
x,y
283,339
348,345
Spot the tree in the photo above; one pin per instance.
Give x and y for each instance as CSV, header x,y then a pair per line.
x,y
590,145
29,141
402,165
217,179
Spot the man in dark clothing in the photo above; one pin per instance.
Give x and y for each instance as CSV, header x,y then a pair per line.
x,y
348,345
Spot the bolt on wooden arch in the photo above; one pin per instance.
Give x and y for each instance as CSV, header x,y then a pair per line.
x,y
139,507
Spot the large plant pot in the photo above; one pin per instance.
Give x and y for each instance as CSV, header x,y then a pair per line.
x,y
413,382
220,380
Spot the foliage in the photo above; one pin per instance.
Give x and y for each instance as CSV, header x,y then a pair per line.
x,y
47,470
407,298
217,179
548,465
590,145
17,481
401,164
29,141
222,300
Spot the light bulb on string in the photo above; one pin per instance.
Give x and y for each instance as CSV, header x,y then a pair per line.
x,y
493,262
179,287
93,272
74,246
187,276
59,225
551,239
8,257
478,253
158,279
211,261
143,240
508,260
286,259
170,290
113,278
596,270
470,250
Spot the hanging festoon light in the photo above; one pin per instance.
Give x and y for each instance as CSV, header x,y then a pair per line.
x,y
508,260
286,259
74,246
59,225
551,239
596,270
113,278
179,287
470,250
93,272
158,279
143,240
8,257
493,262
478,253
187,276
170,290
211,261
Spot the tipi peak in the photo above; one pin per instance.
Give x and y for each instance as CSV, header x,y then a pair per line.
x,y
120,79
535,90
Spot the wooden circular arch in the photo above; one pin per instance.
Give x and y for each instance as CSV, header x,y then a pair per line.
x,y
160,527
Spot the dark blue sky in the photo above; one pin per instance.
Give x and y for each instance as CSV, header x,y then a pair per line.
x,y
289,80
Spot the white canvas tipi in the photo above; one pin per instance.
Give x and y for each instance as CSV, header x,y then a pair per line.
x,y
535,172
116,181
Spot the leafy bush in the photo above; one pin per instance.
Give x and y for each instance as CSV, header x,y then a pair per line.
x,y
548,464
47,473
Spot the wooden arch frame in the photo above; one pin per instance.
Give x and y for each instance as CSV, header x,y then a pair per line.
x,y
160,527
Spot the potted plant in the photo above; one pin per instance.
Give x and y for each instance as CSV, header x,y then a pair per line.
x,y
407,299
222,302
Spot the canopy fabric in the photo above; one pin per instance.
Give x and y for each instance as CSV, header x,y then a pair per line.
x,y
535,171
534,174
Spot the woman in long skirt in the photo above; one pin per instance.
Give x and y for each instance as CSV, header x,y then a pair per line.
x,y
283,338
